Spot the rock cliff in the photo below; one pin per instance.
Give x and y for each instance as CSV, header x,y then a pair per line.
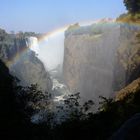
x,y
26,67
101,59
132,88
128,54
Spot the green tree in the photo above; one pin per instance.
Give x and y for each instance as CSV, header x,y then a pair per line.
x,y
32,99
133,6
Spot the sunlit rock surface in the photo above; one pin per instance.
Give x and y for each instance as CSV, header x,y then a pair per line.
x,y
132,88
128,55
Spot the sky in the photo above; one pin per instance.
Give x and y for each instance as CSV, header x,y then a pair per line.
x,y
43,16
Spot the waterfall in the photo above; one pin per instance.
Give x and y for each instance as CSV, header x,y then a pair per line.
x,y
32,43
51,51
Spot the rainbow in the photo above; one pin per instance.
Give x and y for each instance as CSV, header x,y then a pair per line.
x,y
17,57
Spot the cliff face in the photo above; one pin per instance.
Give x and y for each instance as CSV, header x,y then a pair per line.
x,y
89,59
100,59
128,53
28,68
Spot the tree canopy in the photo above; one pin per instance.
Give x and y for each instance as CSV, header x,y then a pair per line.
x,y
133,6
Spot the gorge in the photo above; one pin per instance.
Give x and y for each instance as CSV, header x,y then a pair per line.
x,y
96,60
102,59
65,75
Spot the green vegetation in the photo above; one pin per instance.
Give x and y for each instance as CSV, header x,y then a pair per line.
x,y
129,18
133,15
18,104
133,6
